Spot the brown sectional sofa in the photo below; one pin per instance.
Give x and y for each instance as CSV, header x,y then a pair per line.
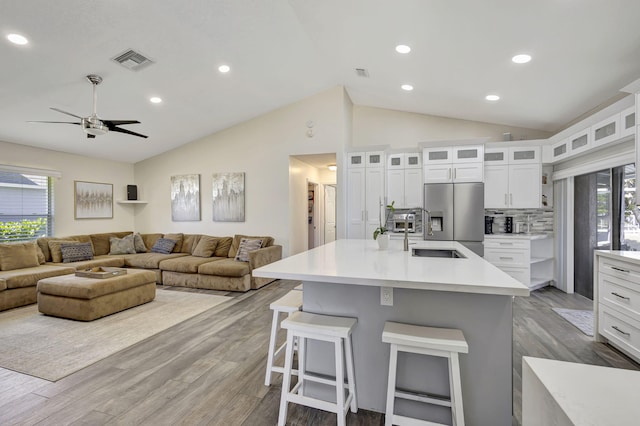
x,y
220,271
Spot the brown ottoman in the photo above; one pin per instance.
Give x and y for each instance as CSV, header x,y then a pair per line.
x,y
87,299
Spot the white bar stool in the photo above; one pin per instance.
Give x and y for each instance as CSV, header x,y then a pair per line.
x,y
289,303
441,342
337,330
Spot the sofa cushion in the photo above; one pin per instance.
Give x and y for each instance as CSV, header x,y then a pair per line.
x,y
41,259
247,245
18,255
178,238
124,245
225,268
75,252
233,251
29,277
189,243
206,246
150,240
101,242
43,243
186,264
138,243
224,244
163,246
3,284
148,260
104,260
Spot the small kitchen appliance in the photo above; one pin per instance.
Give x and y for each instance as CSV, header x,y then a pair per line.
x,y
488,224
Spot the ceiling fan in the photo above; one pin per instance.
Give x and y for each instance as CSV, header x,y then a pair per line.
x,y
92,125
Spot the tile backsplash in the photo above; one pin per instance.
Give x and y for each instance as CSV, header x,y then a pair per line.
x,y
541,220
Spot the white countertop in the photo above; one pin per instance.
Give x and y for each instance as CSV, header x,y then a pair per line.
x,y
523,236
632,256
360,262
589,394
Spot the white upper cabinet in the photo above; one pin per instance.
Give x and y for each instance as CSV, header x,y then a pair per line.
x,y
606,131
579,142
412,160
496,156
365,192
355,160
374,159
560,150
432,156
453,164
628,122
524,155
468,154
395,161
404,180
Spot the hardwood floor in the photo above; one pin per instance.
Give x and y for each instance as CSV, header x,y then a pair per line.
x,y
210,370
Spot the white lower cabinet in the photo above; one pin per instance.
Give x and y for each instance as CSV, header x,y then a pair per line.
x,y
527,258
617,300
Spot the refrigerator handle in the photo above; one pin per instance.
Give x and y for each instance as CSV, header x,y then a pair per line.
x,y
510,199
506,202
449,174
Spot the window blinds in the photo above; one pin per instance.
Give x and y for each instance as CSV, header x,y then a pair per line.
x,y
25,206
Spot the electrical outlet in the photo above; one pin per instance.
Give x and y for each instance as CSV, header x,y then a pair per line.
x,y
386,296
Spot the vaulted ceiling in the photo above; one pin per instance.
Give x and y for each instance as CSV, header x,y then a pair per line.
x,y
280,51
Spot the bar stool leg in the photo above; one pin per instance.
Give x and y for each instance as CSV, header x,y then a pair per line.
x,y
340,382
286,380
391,385
351,377
272,347
302,346
457,412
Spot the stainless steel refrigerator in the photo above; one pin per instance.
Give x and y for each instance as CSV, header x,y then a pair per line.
x,y
457,213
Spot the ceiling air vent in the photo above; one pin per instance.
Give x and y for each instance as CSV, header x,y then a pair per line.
x,y
132,60
361,72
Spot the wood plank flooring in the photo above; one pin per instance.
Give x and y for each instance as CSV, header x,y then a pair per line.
x,y
209,370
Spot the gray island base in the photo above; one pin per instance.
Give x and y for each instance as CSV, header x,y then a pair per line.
x,y
345,278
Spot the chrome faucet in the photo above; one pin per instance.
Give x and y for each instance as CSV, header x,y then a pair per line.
x,y
406,228
406,234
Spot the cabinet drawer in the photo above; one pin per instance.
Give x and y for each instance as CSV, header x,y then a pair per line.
x,y
520,274
616,268
508,257
621,330
622,294
503,243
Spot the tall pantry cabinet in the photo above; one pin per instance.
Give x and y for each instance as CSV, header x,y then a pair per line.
x,y
365,192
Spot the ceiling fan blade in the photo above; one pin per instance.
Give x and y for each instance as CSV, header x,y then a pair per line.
x,y
65,112
60,122
128,132
111,123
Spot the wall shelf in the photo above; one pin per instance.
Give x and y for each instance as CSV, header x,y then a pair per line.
x,y
131,202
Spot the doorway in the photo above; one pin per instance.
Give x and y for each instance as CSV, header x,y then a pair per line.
x,y
605,218
329,213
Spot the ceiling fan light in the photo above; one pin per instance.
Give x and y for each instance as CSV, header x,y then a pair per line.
x,y
94,127
17,39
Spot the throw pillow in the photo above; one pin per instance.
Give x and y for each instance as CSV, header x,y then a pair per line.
x,y
178,238
138,243
247,245
76,252
205,247
54,248
122,245
18,255
163,245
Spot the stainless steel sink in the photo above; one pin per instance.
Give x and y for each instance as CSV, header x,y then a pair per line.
x,y
446,253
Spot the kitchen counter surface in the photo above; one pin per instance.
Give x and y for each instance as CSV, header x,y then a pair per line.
x,y
360,262
631,256
538,236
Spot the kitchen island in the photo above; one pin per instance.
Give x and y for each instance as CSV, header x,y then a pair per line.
x,y
350,278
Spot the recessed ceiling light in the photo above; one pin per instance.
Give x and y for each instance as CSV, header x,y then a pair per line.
x,y
155,100
407,87
492,97
332,167
224,68
403,48
17,39
521,59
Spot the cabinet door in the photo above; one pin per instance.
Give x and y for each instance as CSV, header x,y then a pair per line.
x,y
375,159
413,160
524,155
432,156
468,154
560,150
374,198
395,161
628,122
439,173
496,156
355,160
395,188
580,142
524,186
468,172
355,202
413,188
496,187
606,131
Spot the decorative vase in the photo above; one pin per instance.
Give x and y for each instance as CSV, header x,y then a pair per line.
x,y
383,241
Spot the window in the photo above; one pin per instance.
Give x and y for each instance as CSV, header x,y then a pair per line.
x,y
26,211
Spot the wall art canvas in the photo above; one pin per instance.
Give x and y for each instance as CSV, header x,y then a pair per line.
x,y
93,200
228,197
185,198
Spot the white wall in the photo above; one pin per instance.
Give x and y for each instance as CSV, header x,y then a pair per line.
x,y
300,174
378,126
75,167
259,147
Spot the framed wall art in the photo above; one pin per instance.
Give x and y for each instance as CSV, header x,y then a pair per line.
x,y
228,197
185,198
93,200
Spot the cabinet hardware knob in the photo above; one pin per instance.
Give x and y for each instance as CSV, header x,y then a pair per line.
x,y
620,296
620,331
620,269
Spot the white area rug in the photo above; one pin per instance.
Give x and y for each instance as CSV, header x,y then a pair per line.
x,y
52,348
583,320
